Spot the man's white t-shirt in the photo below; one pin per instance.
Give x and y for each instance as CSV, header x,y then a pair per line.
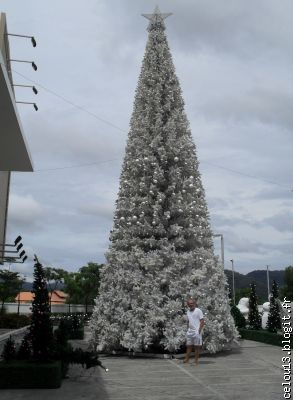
x,y
194,318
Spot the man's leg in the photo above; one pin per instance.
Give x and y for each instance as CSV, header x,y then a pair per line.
x,y
196,354
188,353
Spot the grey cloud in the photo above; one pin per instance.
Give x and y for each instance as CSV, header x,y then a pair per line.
x,y
217,203
239,245
276,193
221,221
282,222
24,213
225,26
98,210
267,106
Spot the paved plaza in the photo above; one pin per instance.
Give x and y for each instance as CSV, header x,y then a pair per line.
x,y
252,372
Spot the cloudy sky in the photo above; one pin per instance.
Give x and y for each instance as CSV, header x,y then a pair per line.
x,y
234,62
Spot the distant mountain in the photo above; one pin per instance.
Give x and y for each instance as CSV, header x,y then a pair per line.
x,y
28,286
259,277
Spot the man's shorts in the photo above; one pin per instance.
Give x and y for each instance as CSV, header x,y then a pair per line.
x,y
193,339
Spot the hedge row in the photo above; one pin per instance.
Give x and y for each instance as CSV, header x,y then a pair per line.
x,y
13,321
27,374
262,336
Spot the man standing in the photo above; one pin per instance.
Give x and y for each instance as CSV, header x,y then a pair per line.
x,y
194,331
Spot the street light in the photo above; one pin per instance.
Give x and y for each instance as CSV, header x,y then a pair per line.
x,y
13,255
34,89
233,282
33,40
222,246
33,64
28,102
268,281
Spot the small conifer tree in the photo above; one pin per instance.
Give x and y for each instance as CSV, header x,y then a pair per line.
x,y
8,353
274,321
24,351
41,329
239,319
253,315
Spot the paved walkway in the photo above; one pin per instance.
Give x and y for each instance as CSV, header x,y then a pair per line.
x,y
251,372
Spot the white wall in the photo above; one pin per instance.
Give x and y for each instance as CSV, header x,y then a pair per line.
x,y
25,308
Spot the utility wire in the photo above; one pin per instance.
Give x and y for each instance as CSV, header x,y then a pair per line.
x,y
246,175
122,130
76,166
71,102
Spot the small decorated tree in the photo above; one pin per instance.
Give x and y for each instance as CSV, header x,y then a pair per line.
x,y
8,353
24,351
239,319
253,315
274,321
41,329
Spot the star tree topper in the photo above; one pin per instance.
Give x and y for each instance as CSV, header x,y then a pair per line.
x,y
157,13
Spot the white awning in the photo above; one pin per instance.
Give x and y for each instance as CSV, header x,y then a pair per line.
x,y
14,152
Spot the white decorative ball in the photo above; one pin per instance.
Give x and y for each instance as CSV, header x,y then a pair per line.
x,y
122,219
155,181
191,185
176,159
180,210
134,218
154,222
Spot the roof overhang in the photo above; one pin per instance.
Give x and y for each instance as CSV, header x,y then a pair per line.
x,y
14,152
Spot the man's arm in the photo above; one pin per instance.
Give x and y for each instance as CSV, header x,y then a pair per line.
x,y
201,325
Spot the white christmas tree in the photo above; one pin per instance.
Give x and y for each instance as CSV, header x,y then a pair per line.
x,y
161,248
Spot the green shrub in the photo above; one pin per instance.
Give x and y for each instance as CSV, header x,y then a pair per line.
x,y
239,319
261,336
71,327
14,321
25,351
28,374
9,351
77,334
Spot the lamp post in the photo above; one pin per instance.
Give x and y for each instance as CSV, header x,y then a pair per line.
x,y
233,281
20,289
268,282
222,247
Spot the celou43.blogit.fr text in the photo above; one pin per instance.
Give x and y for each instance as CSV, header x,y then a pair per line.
x,y
286,342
